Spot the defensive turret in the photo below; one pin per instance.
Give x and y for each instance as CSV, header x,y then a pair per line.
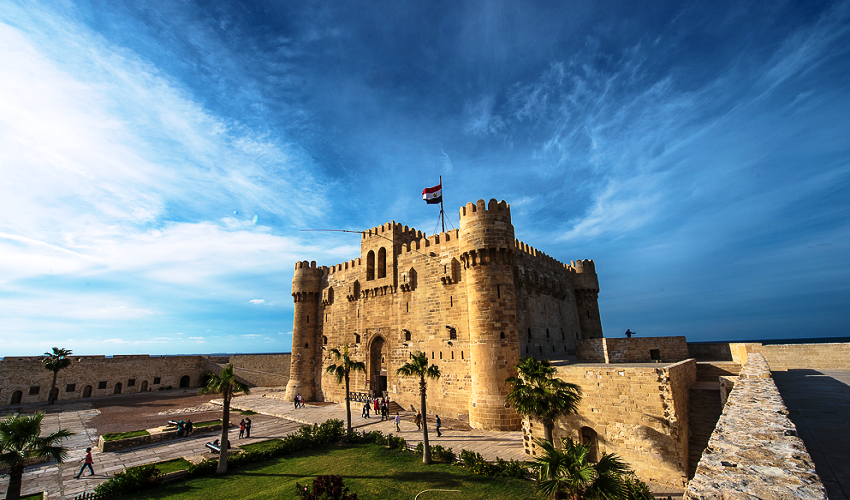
x,y
306,349
487,251
587,294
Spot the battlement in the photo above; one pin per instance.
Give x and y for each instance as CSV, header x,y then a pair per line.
x,y
392,229
533,252
307,266
480,209
435,240
583,266
351,264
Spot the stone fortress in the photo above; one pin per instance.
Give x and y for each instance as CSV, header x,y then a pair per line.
x,y
476,300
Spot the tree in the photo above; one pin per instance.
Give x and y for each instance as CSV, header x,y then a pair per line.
x,y
54,362
418,367
567,473
342,371
536,392
21,440
226,385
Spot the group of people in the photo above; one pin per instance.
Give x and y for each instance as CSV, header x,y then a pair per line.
x,y
184,428
245,428
299,401
381,405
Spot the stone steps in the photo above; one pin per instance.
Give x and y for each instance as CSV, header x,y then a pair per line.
x,y
710,371
703,412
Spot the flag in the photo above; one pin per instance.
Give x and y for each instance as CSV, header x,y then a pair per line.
x,y
433,194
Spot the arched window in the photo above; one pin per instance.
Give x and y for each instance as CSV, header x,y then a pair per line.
x,y
529,333
330,295
502,335
589,439
324,340
370,265
547,333
382,263
407,335
356,338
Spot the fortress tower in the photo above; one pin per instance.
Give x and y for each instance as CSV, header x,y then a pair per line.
x,y
474,300
306,352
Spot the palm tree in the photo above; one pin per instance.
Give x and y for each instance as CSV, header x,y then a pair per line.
x,y
54,362
418,367
536,392
226,385
341,372
567,473
21,440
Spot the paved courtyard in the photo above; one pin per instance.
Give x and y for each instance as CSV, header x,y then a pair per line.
x,y
818,403
276,419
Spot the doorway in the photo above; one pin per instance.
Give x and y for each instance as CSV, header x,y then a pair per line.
x,y
16,398
184,381
87,391
118,388
589,439
144,386
378,367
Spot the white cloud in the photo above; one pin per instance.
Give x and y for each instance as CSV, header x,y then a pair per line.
x,y
257,301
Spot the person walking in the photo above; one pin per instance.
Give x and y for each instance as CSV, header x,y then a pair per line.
x,y
248,427
300,401
418,420
242,429
397,422
439,424
377,407
296,400
189,426
365,413
86,463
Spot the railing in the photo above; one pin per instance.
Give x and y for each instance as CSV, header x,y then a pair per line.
x,y
360,397
89,495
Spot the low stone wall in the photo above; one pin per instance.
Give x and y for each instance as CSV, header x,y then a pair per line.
x,y
154,437
262,370
710,351
754,452
638,412
633,350
832,356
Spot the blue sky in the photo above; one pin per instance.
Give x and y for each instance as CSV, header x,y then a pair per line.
x,y
158,159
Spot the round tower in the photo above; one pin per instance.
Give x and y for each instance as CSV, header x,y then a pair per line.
x,y
587,293
306,357
487,252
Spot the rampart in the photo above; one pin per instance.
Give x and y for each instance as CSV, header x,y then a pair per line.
x,y
827,356
24,380
639,412
633,350
754,452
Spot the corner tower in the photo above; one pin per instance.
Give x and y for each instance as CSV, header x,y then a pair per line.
x,y
587,295
306,351
487,253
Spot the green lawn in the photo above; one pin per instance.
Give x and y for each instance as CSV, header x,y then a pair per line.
x,y
261,445
370,471
172,465
207,423
124,435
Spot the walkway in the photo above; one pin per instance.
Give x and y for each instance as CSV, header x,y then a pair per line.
x,y
818,403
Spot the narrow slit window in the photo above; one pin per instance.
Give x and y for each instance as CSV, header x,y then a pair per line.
x,y
498,291
308,318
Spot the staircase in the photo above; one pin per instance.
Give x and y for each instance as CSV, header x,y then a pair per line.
x,y
704,407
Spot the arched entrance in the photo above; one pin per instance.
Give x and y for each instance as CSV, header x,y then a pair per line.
x,y
205,380
54,394
144,386
377,367
118,388
184,381
589,439
87,391
16,398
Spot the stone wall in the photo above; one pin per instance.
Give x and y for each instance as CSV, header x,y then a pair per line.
x,y
473,299
754,452
633,350
831,356
97,376
638,412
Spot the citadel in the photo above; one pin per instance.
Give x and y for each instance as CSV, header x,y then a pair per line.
x,y
476,300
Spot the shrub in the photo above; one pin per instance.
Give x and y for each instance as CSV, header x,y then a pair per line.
x,y
502,468
636,489
130,481
325,488
396,443
204,468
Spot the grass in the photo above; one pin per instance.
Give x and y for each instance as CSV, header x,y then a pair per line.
x,y
112,436
261,445
173,465
248,412
372,472
206,423
34,496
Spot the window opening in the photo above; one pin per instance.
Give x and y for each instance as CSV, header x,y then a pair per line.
x,y
102,385
34,389
502,335
70,387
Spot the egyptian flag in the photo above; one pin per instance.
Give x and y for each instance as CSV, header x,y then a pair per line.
x,y
434,194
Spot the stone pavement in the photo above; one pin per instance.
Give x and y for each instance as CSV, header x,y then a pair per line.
x,y
818,403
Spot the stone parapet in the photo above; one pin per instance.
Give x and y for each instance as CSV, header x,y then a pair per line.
x,y
633,350
754,452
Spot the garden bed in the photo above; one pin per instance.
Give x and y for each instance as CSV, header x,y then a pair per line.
x,y
153,436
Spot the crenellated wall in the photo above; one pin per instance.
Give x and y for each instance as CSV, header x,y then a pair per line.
x,y
97,376
474,299
754,452
638,412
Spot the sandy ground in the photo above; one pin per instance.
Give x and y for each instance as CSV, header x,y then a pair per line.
x,y
154,409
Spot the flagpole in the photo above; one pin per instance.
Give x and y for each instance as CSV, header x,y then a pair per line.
x,y
442,213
